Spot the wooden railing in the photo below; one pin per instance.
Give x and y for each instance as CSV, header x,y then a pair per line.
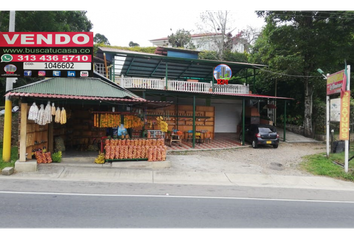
x,y
183,86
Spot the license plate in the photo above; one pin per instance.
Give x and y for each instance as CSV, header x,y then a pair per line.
x,y
269,142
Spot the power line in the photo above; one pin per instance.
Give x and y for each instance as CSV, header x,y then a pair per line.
x,y
287,75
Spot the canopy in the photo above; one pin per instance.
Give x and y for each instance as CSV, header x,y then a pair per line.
x,y
147,65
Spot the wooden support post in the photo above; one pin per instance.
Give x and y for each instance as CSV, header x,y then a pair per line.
x,y
23,132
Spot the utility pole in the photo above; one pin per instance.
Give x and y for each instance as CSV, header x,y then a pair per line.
x,y
346,142
6,154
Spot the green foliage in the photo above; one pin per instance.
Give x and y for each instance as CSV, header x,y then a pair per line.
x,y
133,44
100,38
182,38
47,21
13,158
135,48
294,120
56,157
293,45
319,164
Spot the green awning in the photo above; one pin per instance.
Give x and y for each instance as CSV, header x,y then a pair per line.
x,y
86,88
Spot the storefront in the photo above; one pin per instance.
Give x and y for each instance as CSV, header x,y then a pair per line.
x,y
192,85
76,115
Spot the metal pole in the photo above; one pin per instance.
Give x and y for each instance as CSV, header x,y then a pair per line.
x,y
346,159
194,121
254,81
327,125
6,154
166,75
243,120
284,133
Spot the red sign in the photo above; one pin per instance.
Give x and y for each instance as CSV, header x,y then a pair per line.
x,y
222,81
49,54
46,39
334,82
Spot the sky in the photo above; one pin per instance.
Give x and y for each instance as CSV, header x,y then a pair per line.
x,y
141,27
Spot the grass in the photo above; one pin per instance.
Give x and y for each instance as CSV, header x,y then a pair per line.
x,y
319,164
13,158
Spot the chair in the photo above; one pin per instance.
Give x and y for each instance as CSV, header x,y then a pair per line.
x,y
198,136
207,137
172,137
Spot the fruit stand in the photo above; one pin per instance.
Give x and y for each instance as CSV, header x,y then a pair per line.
x,y
134,149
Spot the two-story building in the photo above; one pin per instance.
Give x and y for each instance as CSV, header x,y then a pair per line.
x,y
179,76
206,42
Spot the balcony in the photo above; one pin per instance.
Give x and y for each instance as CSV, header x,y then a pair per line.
x,y
182,86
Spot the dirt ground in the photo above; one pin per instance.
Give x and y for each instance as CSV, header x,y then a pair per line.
x,y
284,160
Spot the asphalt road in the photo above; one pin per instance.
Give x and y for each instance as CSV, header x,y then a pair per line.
x,y
54,210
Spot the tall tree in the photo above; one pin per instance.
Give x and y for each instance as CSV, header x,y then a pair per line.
x,y
182,38
296,43
216,23
100,38
47,21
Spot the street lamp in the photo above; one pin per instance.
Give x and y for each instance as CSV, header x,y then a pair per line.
x,y
322,73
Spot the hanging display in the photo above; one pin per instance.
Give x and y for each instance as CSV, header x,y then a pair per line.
x,y
57,115
33,112
40,116
131,121
163,125
43,116
62,116
47,118
106,120
109,120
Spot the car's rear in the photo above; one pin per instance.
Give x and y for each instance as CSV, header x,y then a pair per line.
x,y
267,135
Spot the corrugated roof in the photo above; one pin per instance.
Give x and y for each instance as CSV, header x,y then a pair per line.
x,y
75,88
137,64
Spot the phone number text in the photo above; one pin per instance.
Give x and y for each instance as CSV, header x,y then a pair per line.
x,y
51,58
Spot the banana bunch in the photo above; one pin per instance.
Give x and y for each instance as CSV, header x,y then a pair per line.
x,y
163,125
100,159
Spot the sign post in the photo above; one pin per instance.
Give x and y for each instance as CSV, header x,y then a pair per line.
x,y
6,150
339,82
344,130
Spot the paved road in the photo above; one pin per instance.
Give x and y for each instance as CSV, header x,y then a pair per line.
x,y
112,211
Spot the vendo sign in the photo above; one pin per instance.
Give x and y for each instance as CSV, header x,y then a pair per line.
x,y
46,54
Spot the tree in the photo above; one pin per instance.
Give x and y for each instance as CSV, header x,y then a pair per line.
x,y
216,23
100,38
296,43
133,44
182,38
47,21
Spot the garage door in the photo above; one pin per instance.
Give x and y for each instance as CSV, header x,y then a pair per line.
x,y
227,116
